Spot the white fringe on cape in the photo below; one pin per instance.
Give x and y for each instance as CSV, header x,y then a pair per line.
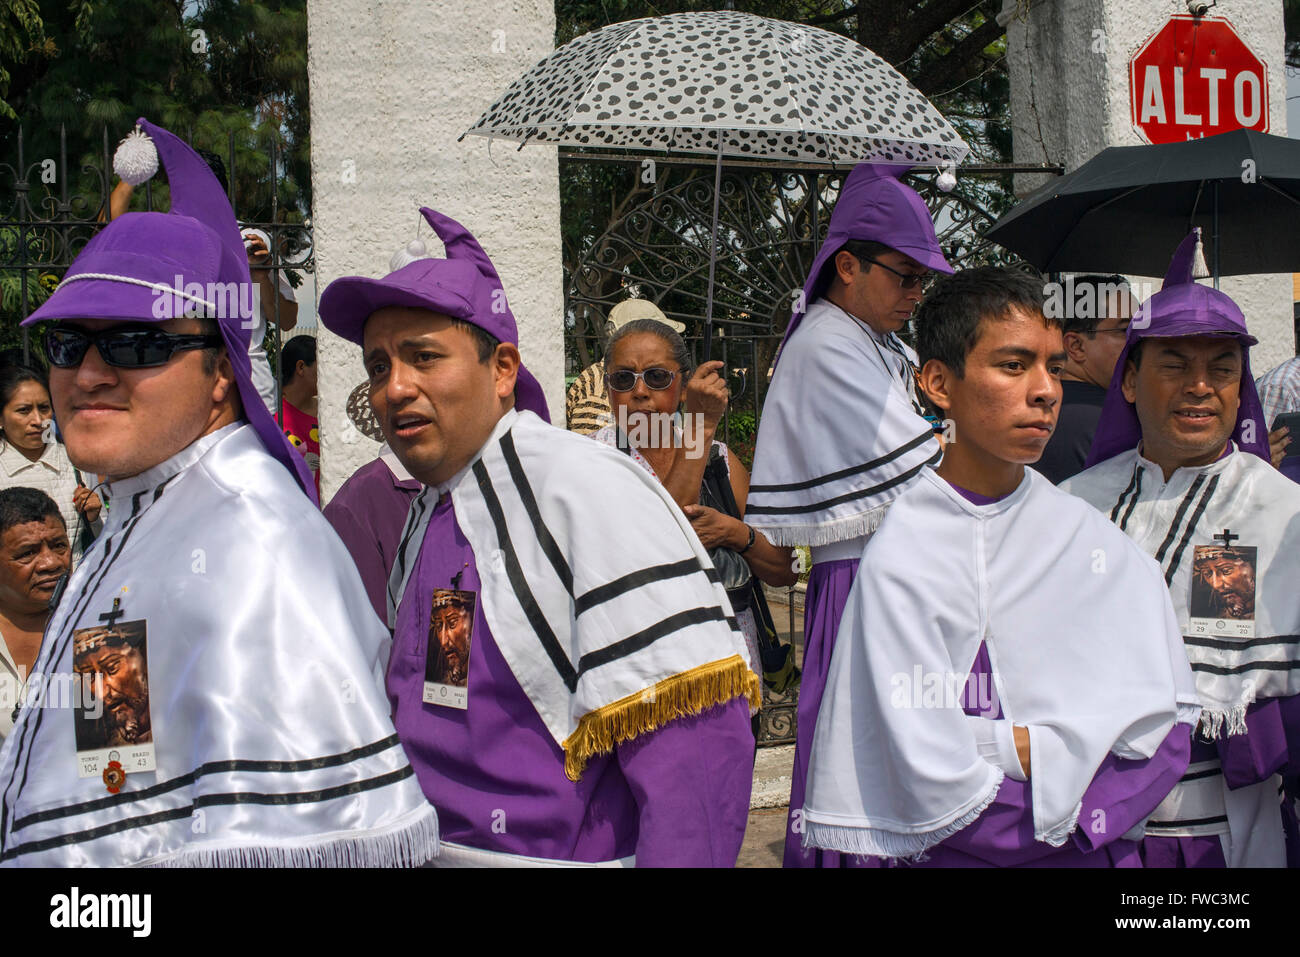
x,y
827,533
405,843
880,842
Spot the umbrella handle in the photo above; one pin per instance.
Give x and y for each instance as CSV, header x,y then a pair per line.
x,y
713,253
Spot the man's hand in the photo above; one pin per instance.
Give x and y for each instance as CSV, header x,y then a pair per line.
x,y
87,503
1022,746
1278,440
707,393
714,528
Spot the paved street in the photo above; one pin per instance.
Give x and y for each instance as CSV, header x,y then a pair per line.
x,y
764,839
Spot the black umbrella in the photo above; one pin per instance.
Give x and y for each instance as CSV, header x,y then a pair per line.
x,y
1126,209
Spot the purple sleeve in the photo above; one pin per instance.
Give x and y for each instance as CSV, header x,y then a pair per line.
x,y
1291,721
1262,751
691,781
363,546
1125,791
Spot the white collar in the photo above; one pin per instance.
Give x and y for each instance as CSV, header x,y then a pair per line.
x,y
881,338
1187,472
394,464
13,461
1008,501
155,476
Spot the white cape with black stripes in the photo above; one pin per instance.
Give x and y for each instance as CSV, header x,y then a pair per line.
x,y
1258,508
600,596
1080,635
841,434
261,672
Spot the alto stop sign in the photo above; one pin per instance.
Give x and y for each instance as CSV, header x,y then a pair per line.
x,y
1195,77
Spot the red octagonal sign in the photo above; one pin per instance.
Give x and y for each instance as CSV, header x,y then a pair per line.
x,y
1195,77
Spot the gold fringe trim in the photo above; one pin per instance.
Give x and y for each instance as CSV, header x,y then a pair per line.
x,y
680,696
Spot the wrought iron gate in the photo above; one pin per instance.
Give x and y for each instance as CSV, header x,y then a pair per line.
x,y
44,224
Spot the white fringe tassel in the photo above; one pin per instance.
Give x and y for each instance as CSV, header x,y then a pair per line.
x,y
408,843
876,842
1230,721
824,533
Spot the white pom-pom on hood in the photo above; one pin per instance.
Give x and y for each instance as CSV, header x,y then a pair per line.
x,y
136,158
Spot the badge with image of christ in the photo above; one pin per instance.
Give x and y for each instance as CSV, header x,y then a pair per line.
x,y
111,715
446,656
1223,589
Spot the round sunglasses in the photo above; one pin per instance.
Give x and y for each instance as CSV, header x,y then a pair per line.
x,y
624,380
123,348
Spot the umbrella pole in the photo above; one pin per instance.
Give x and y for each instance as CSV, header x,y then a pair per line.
x,y
1216,234
713,254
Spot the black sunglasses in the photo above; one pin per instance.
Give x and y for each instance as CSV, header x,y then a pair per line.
x,y
123,348
624,380
920,280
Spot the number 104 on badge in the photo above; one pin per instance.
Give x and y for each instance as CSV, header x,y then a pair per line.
x,y
116,728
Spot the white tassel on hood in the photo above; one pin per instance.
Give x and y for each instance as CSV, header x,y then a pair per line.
x,y
136,158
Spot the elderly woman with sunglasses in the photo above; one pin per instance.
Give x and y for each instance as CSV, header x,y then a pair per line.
x,y
647,375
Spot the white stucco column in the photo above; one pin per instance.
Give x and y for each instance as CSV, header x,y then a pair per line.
x,y
393,83
1070,98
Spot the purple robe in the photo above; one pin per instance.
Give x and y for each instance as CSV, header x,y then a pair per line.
x,y
677,796
828,592
1271,745
368,513
1121,795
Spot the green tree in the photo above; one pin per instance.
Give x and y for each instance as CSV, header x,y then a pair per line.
x,y
228,75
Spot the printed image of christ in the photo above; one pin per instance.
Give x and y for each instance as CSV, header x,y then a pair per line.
x,y
450,628
113,662
1223,582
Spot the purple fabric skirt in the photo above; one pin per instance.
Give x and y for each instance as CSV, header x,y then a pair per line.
x,y
1182,852
828,593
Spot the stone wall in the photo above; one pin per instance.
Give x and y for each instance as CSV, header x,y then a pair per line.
x,y
393,84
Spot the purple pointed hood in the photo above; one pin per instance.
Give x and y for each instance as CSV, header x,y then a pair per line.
x,y
873,206
150,267
1181,308
463,286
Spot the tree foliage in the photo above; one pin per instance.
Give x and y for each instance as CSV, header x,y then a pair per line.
x,y
229,76
214,71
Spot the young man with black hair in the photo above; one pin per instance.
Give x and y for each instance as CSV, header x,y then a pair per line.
x,y
1096,313
957,727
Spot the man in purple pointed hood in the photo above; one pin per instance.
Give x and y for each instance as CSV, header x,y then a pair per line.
x,y
603,719
843,431
1180,462
270,741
